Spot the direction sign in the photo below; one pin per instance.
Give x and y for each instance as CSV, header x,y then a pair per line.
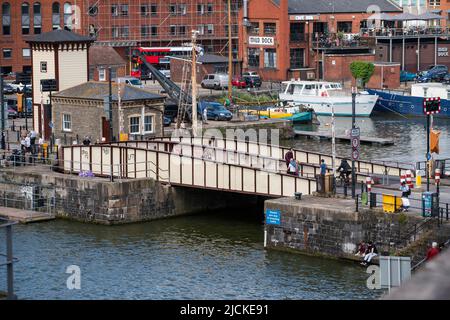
x,y
355,132
49,85
355,154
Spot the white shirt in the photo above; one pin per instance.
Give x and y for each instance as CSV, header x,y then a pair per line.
x,y
27,142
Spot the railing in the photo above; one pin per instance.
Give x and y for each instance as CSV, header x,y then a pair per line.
x,y
442,164
337,40
404,32
10,259
182,169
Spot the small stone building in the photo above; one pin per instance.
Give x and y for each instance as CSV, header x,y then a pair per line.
x,y
100,58
83,110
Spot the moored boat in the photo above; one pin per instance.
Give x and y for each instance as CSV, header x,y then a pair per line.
x,y
322,96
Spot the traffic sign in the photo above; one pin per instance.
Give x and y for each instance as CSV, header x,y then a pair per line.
x,y
49,85
355,154
431,105
355,132
428,156
355,142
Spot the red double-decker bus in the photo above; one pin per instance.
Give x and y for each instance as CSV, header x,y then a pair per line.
x,y
157,56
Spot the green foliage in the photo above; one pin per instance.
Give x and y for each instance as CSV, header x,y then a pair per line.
x,y
402,218
362,70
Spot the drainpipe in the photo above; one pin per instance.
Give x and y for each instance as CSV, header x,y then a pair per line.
x,y
245,13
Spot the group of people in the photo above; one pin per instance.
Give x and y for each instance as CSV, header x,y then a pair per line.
x,y
31,142
406,192
293,166
367,251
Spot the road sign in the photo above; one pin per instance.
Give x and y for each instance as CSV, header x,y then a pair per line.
x,y
428,156
355,154
355,132
431,105
355,142
49,85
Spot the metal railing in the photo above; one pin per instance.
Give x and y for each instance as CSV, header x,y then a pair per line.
x,y
10,259
404,32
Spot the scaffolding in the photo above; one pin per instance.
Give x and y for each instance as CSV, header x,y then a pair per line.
x,y
160,23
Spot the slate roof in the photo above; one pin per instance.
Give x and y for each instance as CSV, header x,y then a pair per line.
x,y
338,6
105,56
100,90
58,36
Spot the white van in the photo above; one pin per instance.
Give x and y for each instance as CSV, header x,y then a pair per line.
x,y
135,82
215,81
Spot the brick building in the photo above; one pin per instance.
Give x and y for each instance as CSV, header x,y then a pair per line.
x,y
283,38
80,111
122,24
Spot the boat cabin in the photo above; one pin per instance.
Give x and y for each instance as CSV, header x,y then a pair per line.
x,y
310,88
433,90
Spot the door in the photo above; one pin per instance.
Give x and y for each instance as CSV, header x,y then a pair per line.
x,y
105,130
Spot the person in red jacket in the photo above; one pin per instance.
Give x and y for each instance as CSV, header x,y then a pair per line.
x,y
433,251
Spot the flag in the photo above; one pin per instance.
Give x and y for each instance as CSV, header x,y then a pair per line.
x,y
434,141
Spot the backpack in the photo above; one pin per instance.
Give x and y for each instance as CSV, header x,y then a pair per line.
x,y
408,193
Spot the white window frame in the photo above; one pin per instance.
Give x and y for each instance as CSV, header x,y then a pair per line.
x,y
138,124
267,59
44,66
152,116
101,74
24,50
65,121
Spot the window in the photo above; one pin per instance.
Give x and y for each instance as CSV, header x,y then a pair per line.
x,y
253,57
297,58
270,28
254,28
145,31
154,31
66,122
93,10
125,31
182,30
297,32
115,32
182,9
173,9
210,29
6,19
270,58
7,53
67,16
102,74
25,9
44,66
134,125
37,18
124,10
26,53
56,16
173,30
200,8
6,69
154,9
209,8
201,29
148,124
114,10
344,26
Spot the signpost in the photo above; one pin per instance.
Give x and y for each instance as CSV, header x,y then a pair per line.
x,y
430,106
355,134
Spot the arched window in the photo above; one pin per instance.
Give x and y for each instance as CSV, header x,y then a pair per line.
x,y
6,18
56,16
37,18
67,16
25,18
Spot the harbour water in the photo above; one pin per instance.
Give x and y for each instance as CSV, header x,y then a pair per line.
x,y
215,255
209,256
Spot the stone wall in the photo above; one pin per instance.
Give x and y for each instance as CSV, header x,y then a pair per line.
x,y
313,227
97,200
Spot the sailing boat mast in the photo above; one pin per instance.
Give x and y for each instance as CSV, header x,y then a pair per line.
x,y
194,83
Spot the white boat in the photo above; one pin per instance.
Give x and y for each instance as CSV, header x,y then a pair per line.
x,y
321,95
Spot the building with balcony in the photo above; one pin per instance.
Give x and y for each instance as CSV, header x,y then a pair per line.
x,y
307,39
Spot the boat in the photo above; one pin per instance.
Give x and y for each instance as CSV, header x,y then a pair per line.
x,y
297,114
322,95
411,102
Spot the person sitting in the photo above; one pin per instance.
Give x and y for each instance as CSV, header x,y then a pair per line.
x,y
292,167
288,156
371,252
433,251
361,249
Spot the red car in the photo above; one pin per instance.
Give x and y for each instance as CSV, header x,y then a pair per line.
x,y
238,82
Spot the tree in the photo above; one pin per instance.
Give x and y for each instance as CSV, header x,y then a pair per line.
x,y
362,70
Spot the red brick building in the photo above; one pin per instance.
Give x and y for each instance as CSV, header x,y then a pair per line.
x,y
282,39
121,24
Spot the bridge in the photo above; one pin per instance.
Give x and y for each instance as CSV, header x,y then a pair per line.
x,y
207,163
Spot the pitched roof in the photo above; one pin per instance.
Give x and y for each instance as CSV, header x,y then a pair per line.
x,y
58,36
100,90
105,56
212,58
338,6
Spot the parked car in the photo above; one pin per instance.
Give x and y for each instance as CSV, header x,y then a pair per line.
x,y
215,81
216,111
12,113
8,89
406,76
252,79
434,73
135,82
446,79
167,121
239,82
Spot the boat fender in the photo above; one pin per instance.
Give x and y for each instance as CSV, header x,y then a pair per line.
x,y
324,94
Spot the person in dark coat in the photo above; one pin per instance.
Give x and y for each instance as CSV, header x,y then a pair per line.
x,y
288,156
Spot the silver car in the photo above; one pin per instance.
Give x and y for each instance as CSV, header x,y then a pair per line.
x,y
215,81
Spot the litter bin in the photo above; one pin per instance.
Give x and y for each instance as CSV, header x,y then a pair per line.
x,y
430,204
329,182
320,182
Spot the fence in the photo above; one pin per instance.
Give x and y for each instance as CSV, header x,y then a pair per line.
x,y
10,259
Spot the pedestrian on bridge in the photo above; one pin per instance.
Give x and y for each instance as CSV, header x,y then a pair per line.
x,y
323,168
288,156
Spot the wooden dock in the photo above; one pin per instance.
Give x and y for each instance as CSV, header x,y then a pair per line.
x,y
25,216
327,136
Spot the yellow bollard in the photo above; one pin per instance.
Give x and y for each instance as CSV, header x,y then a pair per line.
x,y
418,179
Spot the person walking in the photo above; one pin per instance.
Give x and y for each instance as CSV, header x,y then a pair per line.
x,y
370,253
406,192
433,251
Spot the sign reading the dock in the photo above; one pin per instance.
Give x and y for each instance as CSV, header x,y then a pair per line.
x,y
273,217
262,41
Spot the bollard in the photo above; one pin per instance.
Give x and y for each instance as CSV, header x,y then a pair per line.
x,y
357,204
409,179
418,179
437,179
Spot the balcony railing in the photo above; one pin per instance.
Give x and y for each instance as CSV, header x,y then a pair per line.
x,y
407,32
339,40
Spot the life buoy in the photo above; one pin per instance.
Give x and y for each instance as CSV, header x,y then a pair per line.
x,y
324,94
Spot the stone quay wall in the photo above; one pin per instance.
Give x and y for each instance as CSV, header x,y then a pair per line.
x,y
97,200
331,227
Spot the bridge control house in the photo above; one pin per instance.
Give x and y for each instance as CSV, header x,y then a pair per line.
x,y
83,110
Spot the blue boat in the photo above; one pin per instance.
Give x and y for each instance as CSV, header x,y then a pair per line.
x,y
411,103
